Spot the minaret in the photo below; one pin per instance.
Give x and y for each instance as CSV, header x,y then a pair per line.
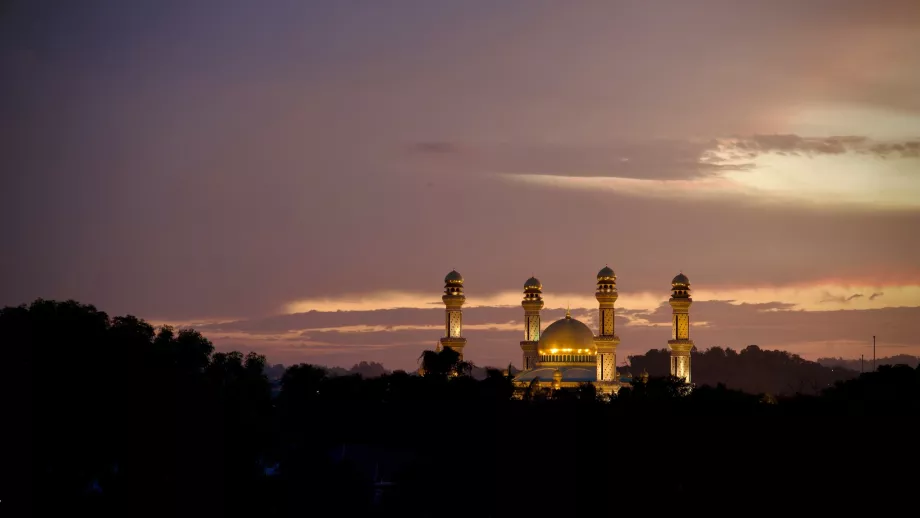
x,y
453,319
533,303
680,342
606,340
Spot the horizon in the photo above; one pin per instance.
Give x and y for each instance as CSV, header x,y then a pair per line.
x,y
296,179
821,361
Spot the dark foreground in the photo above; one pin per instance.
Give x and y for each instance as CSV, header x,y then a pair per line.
x,y
119,419
462,460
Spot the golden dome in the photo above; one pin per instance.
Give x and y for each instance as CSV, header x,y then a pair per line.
x,y
533,282
453,277
567,335
680,280
606,273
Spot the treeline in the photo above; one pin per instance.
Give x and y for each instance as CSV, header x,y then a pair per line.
x,y
866,364
122,419
752,369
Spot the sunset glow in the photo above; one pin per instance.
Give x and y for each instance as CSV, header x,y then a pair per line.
x,y
298,179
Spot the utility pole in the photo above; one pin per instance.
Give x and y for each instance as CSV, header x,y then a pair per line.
x,y
861,369
873,353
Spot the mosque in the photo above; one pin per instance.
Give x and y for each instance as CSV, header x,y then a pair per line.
x,y
567,353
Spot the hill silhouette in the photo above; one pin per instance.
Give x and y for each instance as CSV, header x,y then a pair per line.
x,y
858,365
753,370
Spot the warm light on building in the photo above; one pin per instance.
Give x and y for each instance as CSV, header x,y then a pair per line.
x,y
567,353
453,299
680,343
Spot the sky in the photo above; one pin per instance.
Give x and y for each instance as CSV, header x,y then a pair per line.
x,y
296,178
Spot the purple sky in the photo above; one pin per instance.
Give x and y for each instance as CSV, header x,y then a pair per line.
x,y
234,164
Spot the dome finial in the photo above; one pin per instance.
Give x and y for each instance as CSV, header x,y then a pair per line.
x,y
606,274
533,283
681,280
568,314
454,278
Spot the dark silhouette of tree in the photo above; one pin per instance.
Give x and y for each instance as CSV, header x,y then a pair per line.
x,y
892,389
125,413
533,390
587,392
584,392
301,383
656,388
368,369
497,386
444,363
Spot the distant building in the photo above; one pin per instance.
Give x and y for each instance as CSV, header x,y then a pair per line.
x,y
567,353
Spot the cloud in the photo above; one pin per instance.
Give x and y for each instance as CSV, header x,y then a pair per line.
x,y
651,159
657,159
496,342
366,320
876,295
905,149
756,170
399,308
841,299
396,300
778,171
397,336
796,145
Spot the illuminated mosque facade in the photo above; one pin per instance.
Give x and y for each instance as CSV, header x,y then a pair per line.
x,y
567,353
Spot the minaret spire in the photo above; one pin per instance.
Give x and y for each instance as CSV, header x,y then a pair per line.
x,y
680,343
532,303
606,340
453,299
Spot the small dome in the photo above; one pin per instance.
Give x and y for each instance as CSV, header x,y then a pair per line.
x,y
606,273
681,279
453,277
567,333
533,282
